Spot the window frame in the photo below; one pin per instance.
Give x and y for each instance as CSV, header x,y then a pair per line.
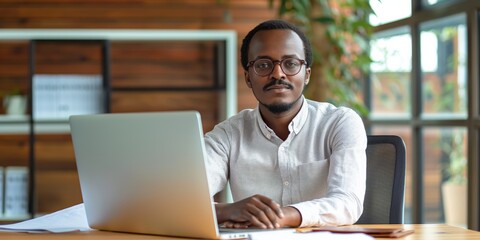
x,y
422,13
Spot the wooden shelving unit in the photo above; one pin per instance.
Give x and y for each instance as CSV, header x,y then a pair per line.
x,y
119,93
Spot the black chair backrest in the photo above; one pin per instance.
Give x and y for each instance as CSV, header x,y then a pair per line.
x,y
385,189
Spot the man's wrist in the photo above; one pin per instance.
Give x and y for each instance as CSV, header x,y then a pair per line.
x,y
292,217
220,212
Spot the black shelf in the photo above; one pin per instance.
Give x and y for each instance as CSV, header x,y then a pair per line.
x,y
105,52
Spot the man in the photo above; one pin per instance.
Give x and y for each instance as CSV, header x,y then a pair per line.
x,y
291,161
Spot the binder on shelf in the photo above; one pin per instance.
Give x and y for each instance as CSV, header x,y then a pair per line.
x,y
57,96
16,192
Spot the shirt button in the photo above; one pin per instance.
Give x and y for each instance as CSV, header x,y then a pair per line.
x,y
286,183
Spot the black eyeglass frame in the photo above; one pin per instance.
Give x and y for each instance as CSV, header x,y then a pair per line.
x,y
302,62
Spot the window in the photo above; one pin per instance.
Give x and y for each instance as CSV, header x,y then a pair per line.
x,y
424,87
445,162
433,2
391,53
443,62
389,10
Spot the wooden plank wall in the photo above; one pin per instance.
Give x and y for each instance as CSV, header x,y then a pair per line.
x,y
136,65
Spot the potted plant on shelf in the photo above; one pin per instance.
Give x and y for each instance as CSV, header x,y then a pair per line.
x,y
14,102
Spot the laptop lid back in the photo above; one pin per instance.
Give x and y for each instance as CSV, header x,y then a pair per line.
x,y
144,173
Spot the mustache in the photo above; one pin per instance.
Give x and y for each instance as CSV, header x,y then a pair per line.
x,y
278,82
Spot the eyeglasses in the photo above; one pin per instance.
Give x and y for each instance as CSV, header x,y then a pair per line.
x,y
264,66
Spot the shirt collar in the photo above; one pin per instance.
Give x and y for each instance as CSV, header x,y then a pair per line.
x,y
295,125
299,120
267,132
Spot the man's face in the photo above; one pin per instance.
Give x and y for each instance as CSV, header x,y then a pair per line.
x,y
277,91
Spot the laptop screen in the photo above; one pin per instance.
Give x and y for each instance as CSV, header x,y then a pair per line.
x,y
144,173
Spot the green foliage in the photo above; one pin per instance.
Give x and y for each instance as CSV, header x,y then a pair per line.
x,y
455,168
11,92
447,97
346,29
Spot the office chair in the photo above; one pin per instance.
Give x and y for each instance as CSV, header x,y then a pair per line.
x,y
385,189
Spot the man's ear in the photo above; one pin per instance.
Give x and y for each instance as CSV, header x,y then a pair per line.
x,y
247,79
308,71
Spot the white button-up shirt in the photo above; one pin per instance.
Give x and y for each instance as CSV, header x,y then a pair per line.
x,y
320,169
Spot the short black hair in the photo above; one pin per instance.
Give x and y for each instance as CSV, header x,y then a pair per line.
x,y
273,25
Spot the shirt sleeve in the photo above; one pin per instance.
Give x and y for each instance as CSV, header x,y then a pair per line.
x,y
343,203
217,158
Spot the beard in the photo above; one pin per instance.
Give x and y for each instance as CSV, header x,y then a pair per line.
x,y
278,108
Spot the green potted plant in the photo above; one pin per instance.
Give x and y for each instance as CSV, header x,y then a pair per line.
x,y
454,188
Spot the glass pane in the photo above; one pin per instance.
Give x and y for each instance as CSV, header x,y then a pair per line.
x,y
389,10
444,69
390,75
405,133
433,2
445,175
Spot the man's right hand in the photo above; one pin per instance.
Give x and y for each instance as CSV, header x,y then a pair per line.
x,y
255,211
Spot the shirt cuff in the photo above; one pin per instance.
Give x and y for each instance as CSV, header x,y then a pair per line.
x,y
309,217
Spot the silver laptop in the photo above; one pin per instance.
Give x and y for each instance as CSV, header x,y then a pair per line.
x,y
145,173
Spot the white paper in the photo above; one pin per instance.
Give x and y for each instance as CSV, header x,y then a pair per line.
x,y
16,192
67,220
292,235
